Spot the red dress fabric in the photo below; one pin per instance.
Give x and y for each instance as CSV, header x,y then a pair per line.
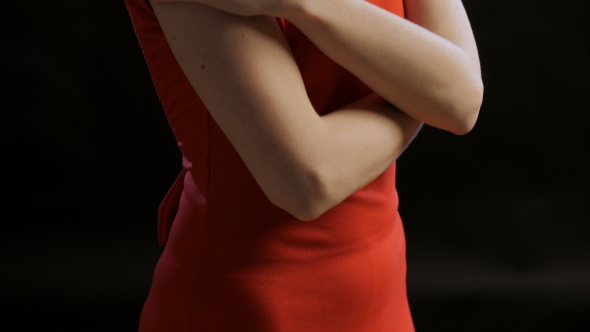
x,y
232,260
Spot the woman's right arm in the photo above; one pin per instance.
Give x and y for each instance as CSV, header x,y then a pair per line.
x,y
243,71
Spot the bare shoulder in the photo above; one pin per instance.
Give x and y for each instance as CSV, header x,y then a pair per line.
x,y
206,40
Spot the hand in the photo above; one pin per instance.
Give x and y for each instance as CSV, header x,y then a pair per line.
x,y
275,8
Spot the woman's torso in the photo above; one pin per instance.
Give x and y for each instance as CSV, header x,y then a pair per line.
x,y
233,260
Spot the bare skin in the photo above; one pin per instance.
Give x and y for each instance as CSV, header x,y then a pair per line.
x,y
428,65
304,163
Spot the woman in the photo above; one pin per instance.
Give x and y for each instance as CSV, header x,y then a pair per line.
x,y
284,217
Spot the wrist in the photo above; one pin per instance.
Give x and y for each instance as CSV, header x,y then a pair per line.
x,y
313,15
297,9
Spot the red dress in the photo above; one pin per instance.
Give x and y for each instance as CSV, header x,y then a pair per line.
x,y
232,260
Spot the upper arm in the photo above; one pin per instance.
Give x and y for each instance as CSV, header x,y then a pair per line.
x,y
243,71
448,19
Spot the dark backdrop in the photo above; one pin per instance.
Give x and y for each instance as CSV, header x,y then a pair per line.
x,y
497,221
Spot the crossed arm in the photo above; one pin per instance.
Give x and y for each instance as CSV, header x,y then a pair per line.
x,y
303,162
427,66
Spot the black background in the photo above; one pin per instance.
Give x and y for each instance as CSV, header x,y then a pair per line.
x,y
497,222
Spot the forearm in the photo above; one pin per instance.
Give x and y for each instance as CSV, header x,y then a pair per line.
x,y
347,149
363,140
344,151
425,75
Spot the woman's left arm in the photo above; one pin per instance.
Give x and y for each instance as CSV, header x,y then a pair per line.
x,y
428,65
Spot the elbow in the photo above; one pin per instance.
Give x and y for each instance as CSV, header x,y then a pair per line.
x,y
301,209
466,108
305,203
307,215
